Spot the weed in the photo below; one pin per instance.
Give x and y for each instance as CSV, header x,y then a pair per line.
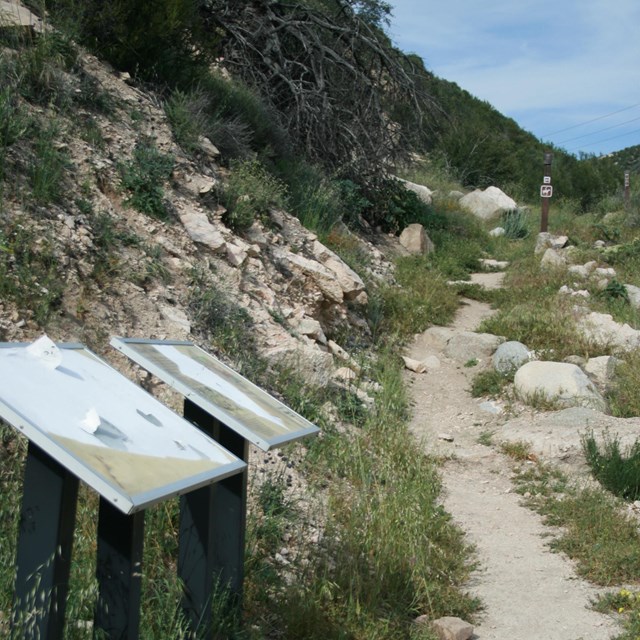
x,y
187,115
596,532
622,396
489,383
515,224
47,170
471,363
519,451
486,438
626,604
143,176
29,272
250,192
617,471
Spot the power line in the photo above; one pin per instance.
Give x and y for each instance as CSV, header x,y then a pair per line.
x,y
575,126
593,133
591,144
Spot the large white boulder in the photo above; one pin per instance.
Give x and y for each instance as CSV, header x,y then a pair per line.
x,y
566,384
487,204
415,240
604,331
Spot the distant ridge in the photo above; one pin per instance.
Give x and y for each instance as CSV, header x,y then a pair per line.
x,y
628,159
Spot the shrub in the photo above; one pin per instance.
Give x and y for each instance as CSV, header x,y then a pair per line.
x,y
515,224
143,176
187,116
250,192
48,166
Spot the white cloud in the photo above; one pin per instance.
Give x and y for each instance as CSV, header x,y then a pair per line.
x,y
527,55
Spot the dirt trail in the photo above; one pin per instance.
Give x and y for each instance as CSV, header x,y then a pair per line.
x,y
529,592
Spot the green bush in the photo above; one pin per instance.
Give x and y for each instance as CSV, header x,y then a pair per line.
x,y
249,194
143,176
48,167
617,471
515,224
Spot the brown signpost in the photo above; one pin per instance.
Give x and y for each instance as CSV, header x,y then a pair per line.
x,y
546,191
627,187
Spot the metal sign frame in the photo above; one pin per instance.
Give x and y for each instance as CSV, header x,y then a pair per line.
x,y
19,418
130,347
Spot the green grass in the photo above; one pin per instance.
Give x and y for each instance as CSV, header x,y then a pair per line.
x,y
489,383
595,530
615,469
622,396
626,604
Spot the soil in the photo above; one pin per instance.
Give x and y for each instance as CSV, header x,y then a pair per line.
x,y
528,591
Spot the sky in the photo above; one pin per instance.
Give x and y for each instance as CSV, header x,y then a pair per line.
x,y
568,71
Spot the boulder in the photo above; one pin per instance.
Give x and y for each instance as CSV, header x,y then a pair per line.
x,y
424,193
415,240
452,628
510,356
312,364
468,345
561,382
604,331
634,295
552,259
602,370
487,204
199,229
350,282
497,232
546,241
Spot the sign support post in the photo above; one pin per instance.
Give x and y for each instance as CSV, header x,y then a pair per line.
x,y
546,191
119,572
627,188
212,532
45,541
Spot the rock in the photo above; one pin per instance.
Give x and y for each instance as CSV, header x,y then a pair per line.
x,y
546,241
490,406
455,195
489,264
324,278
599,244
341,354
510,356
415,240
345,374
13,15
201,230
602,370
582,271
447,437
236,255
467,345
552,259
560,382
450,628
176,316
312,328
425,194
312,364
350,282
197,185
208,147
431,363
414,365
497,232
634,295
604,331
488,203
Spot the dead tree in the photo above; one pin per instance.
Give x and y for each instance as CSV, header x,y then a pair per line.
x,y
331,76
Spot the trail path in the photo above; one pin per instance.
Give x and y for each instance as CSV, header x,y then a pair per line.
x,y
529,592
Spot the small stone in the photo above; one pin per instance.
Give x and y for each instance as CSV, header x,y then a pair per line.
x,y
414,365
451,628
447,437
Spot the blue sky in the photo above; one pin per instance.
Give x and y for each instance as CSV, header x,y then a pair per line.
x,y
551,65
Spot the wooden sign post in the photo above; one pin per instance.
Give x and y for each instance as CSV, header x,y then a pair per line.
x,y
546,191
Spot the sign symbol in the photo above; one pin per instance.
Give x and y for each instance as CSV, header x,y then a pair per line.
x,y
546,191
546,179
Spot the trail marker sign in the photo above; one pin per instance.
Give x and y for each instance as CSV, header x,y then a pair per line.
x,y
546,191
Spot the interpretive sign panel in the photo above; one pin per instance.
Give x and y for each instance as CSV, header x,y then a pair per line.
x,y
103,428
219,390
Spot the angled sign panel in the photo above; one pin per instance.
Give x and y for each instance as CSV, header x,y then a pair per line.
x,y
219,390
106,430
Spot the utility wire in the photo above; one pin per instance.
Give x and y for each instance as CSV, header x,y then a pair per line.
x,y
591,144
594,133
613,113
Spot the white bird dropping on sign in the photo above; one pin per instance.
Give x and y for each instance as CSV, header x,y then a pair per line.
x,y
91,421
45,350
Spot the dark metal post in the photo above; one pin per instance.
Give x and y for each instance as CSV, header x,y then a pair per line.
x,y
546,190
212,532
45,540
119,573
627,188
